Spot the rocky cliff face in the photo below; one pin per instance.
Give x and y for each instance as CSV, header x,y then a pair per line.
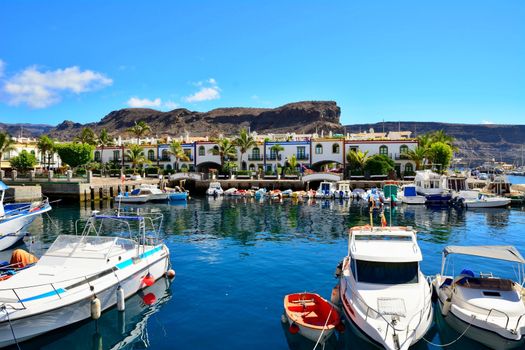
x,y
300,117
28,130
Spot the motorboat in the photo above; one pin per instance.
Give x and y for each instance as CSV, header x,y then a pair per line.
x,y
178,196
483,307
357,193
433,186
383,292
82,275
230,191
215,189
326,190
286,193
343,190
410,195
144,193
312,316
260,193
15,218
475,199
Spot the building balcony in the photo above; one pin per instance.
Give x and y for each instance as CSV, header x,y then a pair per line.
x,y
302,156
255,158
273,157
402,156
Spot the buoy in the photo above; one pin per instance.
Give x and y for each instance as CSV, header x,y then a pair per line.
x,y
335,298
121,301
446,306
294,329
95,308
170,273
149,299
148,280
340,327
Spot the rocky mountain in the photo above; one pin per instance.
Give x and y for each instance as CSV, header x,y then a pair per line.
x,y
476,143
29,130
301,117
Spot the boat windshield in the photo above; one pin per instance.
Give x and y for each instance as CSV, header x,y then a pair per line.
x,y
93,247
387,272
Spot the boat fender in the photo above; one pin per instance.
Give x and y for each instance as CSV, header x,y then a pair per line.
x,y
148,280
446,306
149,299
170,274
335,298
294,329
121,301
95,308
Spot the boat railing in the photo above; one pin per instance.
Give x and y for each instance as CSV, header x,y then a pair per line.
x,y
420,314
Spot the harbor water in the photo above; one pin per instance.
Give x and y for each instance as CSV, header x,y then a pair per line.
x,y
235,259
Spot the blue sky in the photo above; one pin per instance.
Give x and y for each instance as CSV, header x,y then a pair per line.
x,y
451,61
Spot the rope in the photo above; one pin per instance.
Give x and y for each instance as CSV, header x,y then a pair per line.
x,y
321,335
11,326
452,342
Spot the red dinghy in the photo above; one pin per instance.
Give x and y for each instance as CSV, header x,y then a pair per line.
x,y
311,315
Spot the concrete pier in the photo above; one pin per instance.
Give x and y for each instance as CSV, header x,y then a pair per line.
x,y
23,193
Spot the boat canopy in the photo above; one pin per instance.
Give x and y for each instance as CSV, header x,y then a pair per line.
x,y
3,186
500,252
410,191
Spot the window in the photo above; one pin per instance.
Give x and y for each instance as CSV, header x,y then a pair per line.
x,y
273,154
409,168
335,148
97,156
318,149
151,155
301,152
7,155
383,150
116,155
202,151
165,155
387,273
168,167
403,149
256,153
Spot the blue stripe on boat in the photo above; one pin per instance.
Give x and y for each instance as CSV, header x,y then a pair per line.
x,y
43,295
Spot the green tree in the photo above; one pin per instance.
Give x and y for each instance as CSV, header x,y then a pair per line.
x,y
6,144
24,161
225,149
140,129
424,141
244,141
136,157
379,164
441,136
46,145
75,154
87,137
441,155
103,141
178,153
276,149
418,155
357,160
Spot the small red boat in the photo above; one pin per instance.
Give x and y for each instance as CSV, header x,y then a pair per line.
x,y
312,316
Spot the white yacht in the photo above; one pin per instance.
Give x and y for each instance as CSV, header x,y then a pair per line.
x,y
410,195
326,190
487,309
475,199
383,291
343,190
215,189
433,186
82,275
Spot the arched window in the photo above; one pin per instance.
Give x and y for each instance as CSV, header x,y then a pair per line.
x,y
319,149
335,148
256,153
97,156
403,149
252,167
202,151
168,167
151,155
409,168
383,150
165,155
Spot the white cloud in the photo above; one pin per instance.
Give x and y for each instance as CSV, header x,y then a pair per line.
x,y
486,122
209,91
40,89
136,102
2,67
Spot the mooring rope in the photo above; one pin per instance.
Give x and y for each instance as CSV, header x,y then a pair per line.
x,y
452,342
326,322
10,326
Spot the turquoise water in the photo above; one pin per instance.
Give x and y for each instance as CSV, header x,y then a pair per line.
x,y
236,259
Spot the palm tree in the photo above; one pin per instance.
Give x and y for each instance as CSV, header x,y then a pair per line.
x,y
358,158
6,144
177,151
46,145
441,136
139,129
244,141
418,155
293,163
225,150
136,156
276,149
87,136
103,141
424,141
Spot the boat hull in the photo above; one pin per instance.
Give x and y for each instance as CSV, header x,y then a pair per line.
x,y
74,311
438,199
414,200
488,204
14,230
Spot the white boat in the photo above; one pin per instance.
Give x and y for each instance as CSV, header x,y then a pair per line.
x,y
433,186
475,199
357,193
326,190
343,190
410,195
144,193
485,308
15,218
382,289
82,275
215,189
230,191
